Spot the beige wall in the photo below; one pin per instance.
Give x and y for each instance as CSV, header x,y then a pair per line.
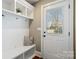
x,y
37,23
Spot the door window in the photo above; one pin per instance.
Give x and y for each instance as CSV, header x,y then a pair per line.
x,y
54,20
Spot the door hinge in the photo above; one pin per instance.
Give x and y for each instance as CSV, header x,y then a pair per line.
x,y
68,33
69,6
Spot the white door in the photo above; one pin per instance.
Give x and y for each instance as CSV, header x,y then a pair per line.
x,y
56,31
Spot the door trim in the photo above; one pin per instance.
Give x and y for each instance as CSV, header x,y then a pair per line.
x,y
72,12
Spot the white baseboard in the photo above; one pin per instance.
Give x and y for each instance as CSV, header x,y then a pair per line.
x,y
37,53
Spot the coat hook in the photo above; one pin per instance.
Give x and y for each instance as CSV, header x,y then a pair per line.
x,y
16,18
3,15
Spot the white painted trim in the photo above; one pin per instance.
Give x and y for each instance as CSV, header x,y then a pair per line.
x,y
42,30
15,6
72,22
54,2
8,11
25,3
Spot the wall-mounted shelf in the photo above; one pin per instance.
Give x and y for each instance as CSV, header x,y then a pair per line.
x,y
18,7
8,11
8,4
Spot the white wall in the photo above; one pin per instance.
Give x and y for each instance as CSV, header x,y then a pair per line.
x,y
14,28
37,23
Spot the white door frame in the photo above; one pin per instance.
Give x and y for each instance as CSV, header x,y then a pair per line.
x,y
71,21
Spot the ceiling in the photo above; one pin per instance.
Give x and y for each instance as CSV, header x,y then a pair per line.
x,y
32,1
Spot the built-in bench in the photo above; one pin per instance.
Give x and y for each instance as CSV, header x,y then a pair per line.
x,y
24,52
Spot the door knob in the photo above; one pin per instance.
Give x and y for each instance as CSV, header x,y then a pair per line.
x,y
44,35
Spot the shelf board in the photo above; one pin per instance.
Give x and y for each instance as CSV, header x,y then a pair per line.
x,y
13,53
5,10
25,3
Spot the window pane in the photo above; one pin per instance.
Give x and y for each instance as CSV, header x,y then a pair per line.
x,y
54,20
